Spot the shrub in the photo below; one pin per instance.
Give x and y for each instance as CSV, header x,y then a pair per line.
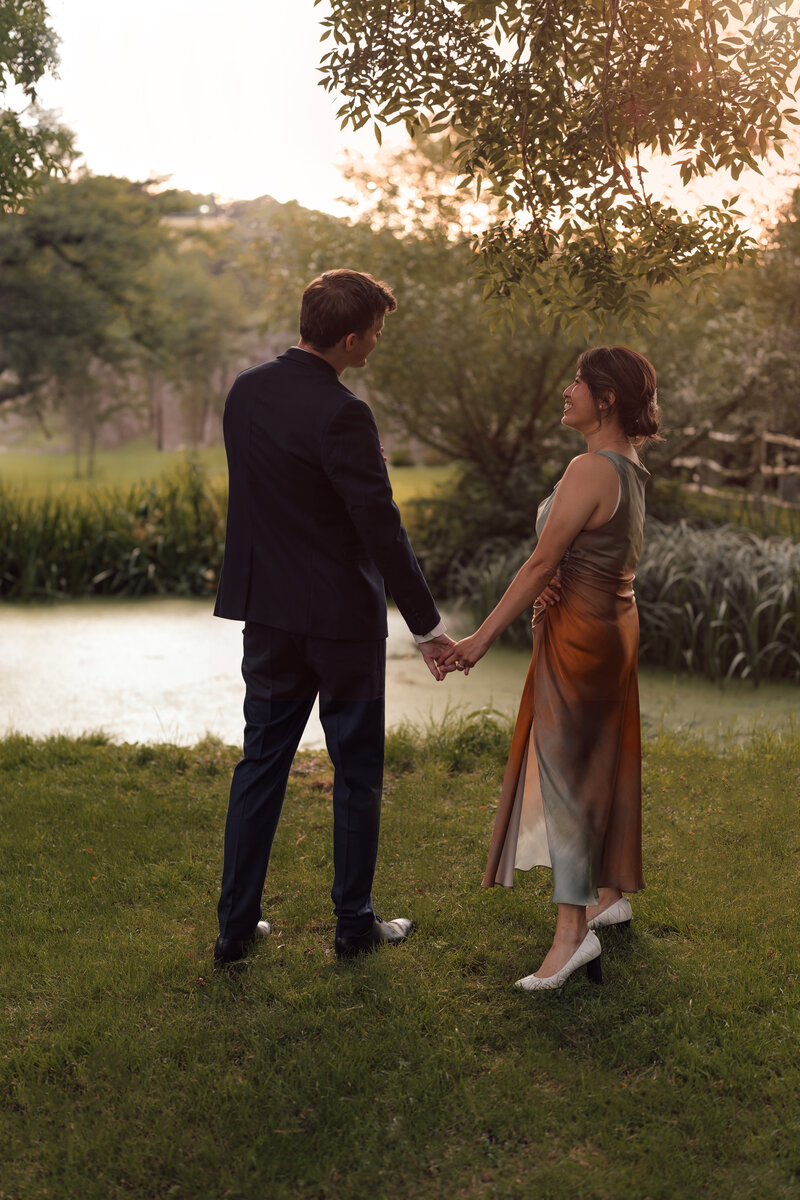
x,y
166,537
469,520
721,602
457,742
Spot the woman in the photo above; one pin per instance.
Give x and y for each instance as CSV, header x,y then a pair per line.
x,y
571,796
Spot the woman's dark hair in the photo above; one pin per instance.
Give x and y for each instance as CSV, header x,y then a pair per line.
x,y
342,302
632,379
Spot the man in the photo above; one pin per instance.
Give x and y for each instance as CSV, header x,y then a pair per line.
x,y
313,538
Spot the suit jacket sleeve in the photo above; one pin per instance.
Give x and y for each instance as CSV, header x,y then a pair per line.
x,y
352,460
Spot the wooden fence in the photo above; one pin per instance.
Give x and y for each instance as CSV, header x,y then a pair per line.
x,y
766,464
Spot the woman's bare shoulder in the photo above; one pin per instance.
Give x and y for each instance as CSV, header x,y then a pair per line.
x,y
584,467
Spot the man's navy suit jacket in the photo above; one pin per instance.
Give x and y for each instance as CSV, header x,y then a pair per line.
x,y
312,532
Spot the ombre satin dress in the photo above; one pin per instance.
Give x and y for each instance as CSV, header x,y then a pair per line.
x,y
571,796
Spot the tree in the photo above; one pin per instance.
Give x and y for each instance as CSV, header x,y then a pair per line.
x,y
485,399
73,272
79,299
32,144
442,376
556,105
731,361
777,300
201,319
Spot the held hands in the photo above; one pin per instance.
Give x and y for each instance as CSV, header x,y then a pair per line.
x,y
442,655
433,652
464,654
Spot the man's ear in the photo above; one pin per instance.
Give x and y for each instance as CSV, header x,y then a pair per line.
x,y
348,341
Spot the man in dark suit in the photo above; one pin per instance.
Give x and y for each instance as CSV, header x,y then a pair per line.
x,y
313,540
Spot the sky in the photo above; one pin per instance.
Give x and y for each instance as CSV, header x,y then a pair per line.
x,y
223,98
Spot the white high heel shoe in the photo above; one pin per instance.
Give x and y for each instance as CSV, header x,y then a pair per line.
x,y
619,913
587,954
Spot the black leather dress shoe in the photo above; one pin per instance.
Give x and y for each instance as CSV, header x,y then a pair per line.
x,y
383,933
230,950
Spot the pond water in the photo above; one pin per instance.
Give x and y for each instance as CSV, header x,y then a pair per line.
x,y
166,670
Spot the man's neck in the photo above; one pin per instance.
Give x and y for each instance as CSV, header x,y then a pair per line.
x,y
331,357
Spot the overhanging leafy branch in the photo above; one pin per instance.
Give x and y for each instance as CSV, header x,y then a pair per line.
x,y
555,103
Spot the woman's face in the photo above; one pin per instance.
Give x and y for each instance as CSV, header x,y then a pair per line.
x,y
580,411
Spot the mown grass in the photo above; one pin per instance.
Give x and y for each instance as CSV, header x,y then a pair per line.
x,y
138,464
130,1069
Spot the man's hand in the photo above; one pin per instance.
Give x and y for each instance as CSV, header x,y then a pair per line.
x,y
464,654
432,651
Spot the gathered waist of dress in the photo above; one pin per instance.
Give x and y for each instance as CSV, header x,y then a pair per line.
x,y
580,575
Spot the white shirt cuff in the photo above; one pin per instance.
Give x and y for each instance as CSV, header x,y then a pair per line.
x,y
434,633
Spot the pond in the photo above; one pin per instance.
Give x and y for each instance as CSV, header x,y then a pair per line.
x,y
166,670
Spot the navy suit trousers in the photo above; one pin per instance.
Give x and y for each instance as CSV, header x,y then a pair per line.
x,y
284,673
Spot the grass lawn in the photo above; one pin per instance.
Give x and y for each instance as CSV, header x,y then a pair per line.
x,y
131,1069
138,462
123,467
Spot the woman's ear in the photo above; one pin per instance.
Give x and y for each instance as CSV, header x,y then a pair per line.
x,y
609,400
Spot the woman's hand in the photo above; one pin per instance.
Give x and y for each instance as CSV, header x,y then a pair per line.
x,y
552,593
464,654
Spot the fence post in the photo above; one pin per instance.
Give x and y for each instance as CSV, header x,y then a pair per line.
x,y
758,459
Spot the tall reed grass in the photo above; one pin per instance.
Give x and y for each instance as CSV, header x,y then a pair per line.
x,y
723,603
166,536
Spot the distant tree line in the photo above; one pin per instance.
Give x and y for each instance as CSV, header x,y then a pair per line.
x,y
111,289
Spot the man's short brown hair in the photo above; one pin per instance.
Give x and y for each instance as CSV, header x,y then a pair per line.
x,y
341,302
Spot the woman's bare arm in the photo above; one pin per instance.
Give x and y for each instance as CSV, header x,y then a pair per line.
x,y
586,485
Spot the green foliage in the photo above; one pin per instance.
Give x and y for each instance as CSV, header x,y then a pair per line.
x,y
72,281
163,537
465,520
442,375
669,502
458,741
103,297
555,107
719,602
448,380
196,318
728,358
131,1069
31,144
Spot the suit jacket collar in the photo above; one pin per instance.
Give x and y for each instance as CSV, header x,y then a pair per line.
x,y
295,354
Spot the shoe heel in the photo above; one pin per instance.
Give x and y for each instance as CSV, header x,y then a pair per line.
x,y
594,970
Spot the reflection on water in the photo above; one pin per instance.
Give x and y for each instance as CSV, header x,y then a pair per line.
x,y
160,670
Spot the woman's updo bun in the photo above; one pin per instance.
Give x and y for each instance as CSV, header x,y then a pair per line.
x,y
632,380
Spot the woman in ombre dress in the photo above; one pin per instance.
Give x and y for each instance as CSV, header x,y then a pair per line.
x,y
571,795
